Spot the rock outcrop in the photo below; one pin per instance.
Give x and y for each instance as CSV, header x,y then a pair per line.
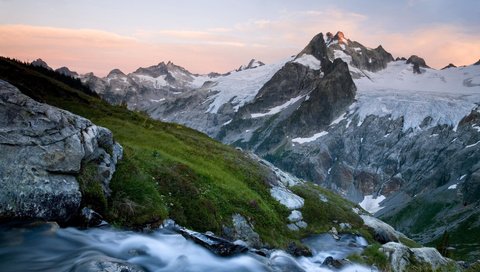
x,y
41,63
357,55
416,60
383,232
450,65
401,257
43,150
253,63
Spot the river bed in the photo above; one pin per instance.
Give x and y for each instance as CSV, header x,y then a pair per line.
x,y
46,247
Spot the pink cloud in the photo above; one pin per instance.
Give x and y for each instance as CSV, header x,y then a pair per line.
x,y
100,51
223,48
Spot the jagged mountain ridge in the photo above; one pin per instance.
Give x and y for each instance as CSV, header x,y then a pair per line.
x,y
386,145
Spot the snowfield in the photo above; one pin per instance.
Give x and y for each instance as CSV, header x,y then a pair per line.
x,y
277,109
445,95
241,87
309,61
309,139
371,204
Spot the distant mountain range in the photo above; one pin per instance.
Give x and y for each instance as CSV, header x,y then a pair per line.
x,y
398,137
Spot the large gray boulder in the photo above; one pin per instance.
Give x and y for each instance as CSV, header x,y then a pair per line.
x,y
401,257
42,152
383,232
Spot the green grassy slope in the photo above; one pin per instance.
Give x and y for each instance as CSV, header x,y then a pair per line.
x,y
169,170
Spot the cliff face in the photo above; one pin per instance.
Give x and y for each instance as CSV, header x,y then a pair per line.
x,y
45,152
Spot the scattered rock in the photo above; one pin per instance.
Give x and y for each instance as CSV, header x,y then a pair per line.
x,y
298,250
90,218
344,226
301,224
295,216
333,231
332,263
244,231
400,58
293,227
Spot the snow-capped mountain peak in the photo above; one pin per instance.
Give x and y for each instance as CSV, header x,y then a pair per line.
x,y
116,73
450,65
338,38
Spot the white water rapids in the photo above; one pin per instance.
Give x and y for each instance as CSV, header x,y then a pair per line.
x,y
46,247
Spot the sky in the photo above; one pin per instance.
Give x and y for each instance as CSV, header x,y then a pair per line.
x,y
220,35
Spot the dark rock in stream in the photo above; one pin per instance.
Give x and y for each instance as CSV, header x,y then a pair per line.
x,y
297,250
219,246
213,243
90,218
332,263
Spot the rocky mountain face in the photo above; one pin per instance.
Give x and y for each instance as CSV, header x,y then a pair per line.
x,y
45,152
252,64
392,135
65,71
41,63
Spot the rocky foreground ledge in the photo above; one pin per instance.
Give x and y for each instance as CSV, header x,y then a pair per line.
x,y
44,151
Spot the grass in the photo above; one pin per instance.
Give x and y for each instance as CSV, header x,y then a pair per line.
x,y
464,240
424,215
322,216
91,188
168,170
372,256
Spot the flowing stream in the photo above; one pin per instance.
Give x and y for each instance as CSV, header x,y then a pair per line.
x,y
46,247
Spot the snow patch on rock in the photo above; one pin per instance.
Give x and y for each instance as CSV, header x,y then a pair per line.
x,y
310,139
277,109
452,187
372,204
309,61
